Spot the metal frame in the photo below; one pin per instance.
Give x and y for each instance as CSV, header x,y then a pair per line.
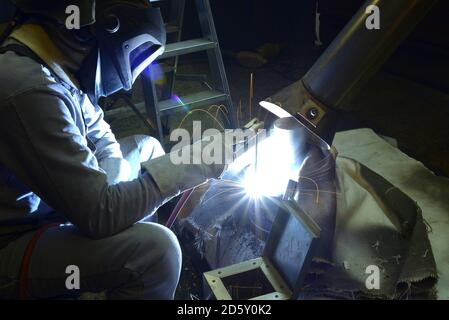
x,y
290,210
208,43
274,272
215,278
177,8
214,55
151,104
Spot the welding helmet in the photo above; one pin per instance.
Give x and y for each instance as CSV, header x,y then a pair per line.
x,y
126,37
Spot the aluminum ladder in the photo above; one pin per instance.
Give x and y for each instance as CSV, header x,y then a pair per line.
x,y
218,91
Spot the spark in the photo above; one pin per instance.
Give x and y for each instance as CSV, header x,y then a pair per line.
x,y
204,111
317,189
220,193
222,108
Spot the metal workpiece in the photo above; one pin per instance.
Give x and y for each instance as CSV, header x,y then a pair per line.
x,y
358,52
281,270
314,115
294,135
349,61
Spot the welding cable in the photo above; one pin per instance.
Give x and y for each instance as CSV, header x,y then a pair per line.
x,y
23,276
178,208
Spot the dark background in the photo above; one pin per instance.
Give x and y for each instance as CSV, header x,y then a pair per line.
x,y
247,23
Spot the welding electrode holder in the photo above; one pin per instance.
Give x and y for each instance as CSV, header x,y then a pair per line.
x,y
313,115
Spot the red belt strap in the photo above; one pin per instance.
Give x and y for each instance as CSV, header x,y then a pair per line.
x,y
23,277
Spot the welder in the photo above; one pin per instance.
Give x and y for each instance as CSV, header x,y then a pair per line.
x,y
71,195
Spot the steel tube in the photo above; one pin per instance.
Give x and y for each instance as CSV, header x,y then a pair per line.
x,y
357,53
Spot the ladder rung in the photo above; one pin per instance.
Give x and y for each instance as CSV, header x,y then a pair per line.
x,y
168,106
186,47
200,98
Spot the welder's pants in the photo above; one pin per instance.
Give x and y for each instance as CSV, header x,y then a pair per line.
x,y
142,262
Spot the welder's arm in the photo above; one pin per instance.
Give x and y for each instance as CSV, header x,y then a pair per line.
x,y
172,179
107,149
46,151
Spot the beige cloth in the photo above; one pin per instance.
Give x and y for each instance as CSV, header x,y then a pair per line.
x,y
370,219
376,225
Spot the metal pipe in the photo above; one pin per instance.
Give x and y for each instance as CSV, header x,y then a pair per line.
x,y
349,61
357,53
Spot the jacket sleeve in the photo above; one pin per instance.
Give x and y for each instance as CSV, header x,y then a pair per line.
x,y
99,132
107,149
43,147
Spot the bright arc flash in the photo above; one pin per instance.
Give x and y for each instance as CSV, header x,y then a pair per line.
x,y
265,184
274,170
274,109
277,160
253,187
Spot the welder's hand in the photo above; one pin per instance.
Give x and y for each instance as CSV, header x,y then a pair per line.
x,y
218,150
191,165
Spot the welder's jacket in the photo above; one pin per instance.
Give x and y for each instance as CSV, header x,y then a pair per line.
x,y
52,144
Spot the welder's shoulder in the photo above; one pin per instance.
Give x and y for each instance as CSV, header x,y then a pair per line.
x,y
19,74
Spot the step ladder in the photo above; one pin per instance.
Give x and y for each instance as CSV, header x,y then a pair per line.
x,y
217,92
